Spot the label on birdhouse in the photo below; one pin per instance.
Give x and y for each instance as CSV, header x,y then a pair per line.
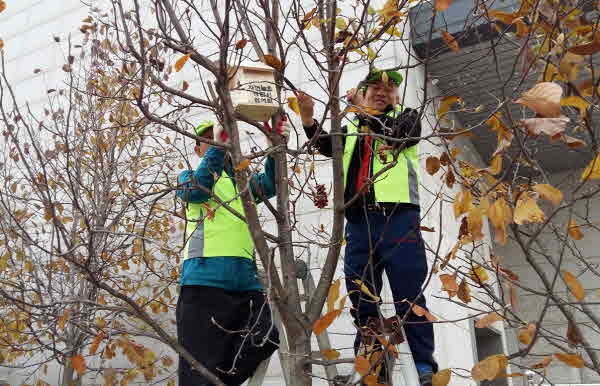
x,y
254,95
263,93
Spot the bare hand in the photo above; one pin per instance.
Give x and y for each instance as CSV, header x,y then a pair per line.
x,y
307,108
355,97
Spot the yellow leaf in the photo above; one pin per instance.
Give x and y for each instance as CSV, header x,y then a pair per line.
x,y
446,103
330,354
574,230
334,294
569,66
475,222
441,378
293,105
479,274
575,101
543,98
449,284
504,17
181,62
340,23
78,363
273,61
462,202
450,41
442,5
325,321
432,165
572,360
362,365
574,285
550,193
490,368
62,320
371,54
526,334
488,320
242,165
527,210
363,110
366,290
592,171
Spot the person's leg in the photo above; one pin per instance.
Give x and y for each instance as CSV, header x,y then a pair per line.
x,y
197,306
357,266
258,341
403,255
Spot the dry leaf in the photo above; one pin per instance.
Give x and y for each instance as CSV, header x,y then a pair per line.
x,y
446,103
366,290
572,360
330,354
586,49
185,86
573,143
543,364
574,285
432,165
362,365
504,17
388,346
464,292
462,203
569,66
527,210
550,193
479,274
441,378
241,44
576,101
94,346
272,61
2,6
420,311
543,98
574,230
549,126
449,284
592,171
475,223
450,179
526,334
442,5
363,110
78,363
573,334
242,165
293,105
181,62
450,41
488,320
500,215
309,15
490,368
325,321
495,166
334,294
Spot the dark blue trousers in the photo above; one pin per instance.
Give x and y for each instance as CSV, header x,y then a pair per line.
x,y
390,242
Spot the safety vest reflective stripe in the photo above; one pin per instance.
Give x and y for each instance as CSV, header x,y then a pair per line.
x,y
398,184
212,230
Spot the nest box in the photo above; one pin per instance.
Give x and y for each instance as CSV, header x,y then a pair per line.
x,y
253,92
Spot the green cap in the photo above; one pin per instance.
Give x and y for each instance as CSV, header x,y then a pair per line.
x,y
375,75
203,127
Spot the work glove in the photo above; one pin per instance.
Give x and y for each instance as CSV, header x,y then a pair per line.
x,y
219,134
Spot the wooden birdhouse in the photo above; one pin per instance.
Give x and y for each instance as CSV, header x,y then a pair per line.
x,y
253,92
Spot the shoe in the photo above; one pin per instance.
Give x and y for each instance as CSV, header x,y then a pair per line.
x,y
426,379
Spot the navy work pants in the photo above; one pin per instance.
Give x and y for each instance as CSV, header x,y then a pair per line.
x,y
229,332
380,241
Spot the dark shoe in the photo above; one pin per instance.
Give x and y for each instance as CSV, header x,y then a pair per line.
x,y
426,379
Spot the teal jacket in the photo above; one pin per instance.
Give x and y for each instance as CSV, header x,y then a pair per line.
x,y
222,272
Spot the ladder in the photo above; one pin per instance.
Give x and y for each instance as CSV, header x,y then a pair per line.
x,y
403,369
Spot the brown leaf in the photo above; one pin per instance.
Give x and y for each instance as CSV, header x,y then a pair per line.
x,y
526,334
388,346
441,378
550,193
487,320
185,86
490,368
426,229
450,179
586,49
442,5
592,171
2,6
330,354
420,311
527,210
573,143
242,165
549,126
362,365
1,44
241,44
432,165
273,61
325,321
543,98
309,15
334,294
569,66
543,364
574,285
504,17
94,346
574,230
78,363
450,41
578,102
475,223
572,360
573,334
181,62
464,291
449,284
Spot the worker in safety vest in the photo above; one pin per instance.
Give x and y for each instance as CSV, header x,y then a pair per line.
x,y
223,318
382,215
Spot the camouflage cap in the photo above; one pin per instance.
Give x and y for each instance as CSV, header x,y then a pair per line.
x,y
376,75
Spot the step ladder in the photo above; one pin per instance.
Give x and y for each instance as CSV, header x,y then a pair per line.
x,y
403,369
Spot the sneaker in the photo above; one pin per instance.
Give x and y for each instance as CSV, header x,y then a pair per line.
x,y
426,379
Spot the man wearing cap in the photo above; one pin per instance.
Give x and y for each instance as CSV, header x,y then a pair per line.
x,y
382,207
223,318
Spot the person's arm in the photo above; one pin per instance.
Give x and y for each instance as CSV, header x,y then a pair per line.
x,y
262,185
407,125
196,186
323,144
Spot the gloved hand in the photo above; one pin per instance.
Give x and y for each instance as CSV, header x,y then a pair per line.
x,y
219,134
283,128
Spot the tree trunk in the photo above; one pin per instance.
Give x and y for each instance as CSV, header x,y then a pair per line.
x,y
67,377
299,351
